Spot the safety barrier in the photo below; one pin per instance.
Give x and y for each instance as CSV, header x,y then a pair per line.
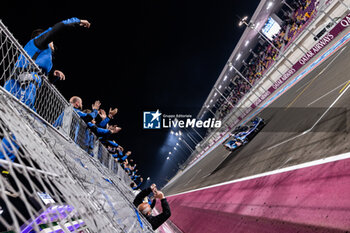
x,y
51,179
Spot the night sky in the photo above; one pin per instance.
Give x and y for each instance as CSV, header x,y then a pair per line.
x,y
138,56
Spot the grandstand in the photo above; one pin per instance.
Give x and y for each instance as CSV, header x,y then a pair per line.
x,y
258,55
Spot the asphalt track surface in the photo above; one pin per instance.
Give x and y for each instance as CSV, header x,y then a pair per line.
x,y
308,122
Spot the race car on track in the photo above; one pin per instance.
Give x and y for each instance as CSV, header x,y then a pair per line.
x,y
243,134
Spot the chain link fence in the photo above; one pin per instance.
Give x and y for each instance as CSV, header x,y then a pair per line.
x,y
54,179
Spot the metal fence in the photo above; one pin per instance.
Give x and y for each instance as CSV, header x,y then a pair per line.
x,y
54,179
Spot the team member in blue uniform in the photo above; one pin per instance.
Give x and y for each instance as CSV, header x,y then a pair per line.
x,y
77,104
9,145
8,148
124,158
40,49
136,184
103,119
119,153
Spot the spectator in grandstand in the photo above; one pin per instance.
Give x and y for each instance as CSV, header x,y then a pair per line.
x,y
40,49
265,55
146,209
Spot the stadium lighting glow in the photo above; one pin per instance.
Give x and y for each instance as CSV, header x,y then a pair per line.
x,y
243,20
177,144
226,75
238,56
231,67
176,134
246,43
220,87
175,148
148,178
211,100
269,5
180,133
215,94
168,158
180,139
169,153
172,132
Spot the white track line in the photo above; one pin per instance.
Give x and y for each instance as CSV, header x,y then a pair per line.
x,y
274,172
173,180
289,159
291,168
327,93
313,126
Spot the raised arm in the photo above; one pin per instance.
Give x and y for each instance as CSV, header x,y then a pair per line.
x,y
166,213
139,198
144,193
50,34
